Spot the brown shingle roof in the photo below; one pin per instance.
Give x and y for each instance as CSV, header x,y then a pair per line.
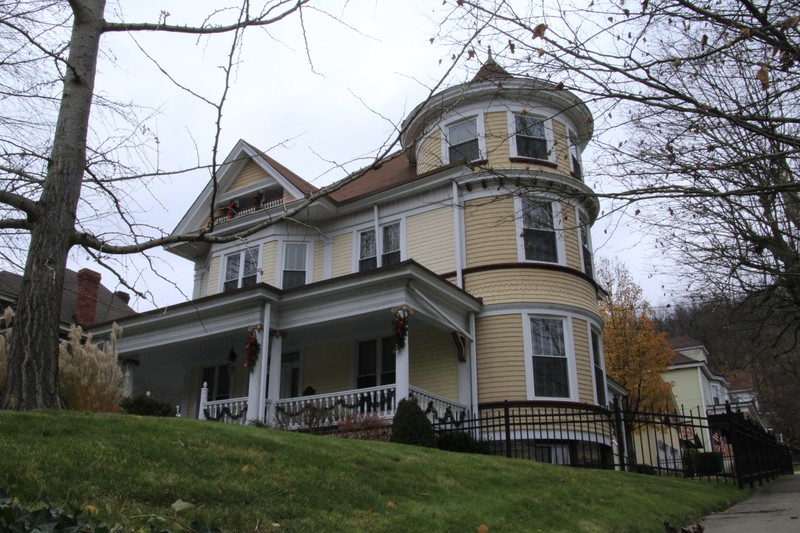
x,y
680,359
293,178
739,380
490,71
683,342
394,170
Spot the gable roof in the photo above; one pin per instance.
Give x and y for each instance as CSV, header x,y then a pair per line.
x,y
110,305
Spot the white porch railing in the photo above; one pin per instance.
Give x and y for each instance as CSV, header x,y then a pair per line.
x,y
233,410
322,410
438,409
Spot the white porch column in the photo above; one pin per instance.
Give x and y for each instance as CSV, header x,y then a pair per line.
x,y
401,371
203,400
274,385
258,375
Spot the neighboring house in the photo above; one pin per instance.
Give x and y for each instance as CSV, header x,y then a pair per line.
x,y
84,302
696,387
477,232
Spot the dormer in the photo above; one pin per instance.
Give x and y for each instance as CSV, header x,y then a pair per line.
x,y
248,183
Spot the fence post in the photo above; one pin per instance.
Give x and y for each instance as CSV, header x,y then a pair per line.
x,y
507,421
621,438
734,439
203,400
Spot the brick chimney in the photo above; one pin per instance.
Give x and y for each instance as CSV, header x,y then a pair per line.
x,y
86,301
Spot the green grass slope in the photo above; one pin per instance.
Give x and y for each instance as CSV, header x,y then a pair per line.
x,y
254,479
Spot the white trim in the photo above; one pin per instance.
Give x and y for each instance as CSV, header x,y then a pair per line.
x,y
549,137
579,213
589,329
241,252
569,130
457,237
377,227
569,345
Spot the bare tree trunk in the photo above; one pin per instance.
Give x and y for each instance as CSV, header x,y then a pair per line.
x,y
32,381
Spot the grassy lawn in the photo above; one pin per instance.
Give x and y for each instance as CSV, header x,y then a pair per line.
x,y
255,479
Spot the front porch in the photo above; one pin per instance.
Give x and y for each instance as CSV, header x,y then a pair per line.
x,y
323,353
329,410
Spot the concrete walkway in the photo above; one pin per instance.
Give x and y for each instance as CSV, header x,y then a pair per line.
x,y
775,508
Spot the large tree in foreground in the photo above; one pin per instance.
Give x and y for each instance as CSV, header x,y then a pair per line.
x,y
636,354
63,177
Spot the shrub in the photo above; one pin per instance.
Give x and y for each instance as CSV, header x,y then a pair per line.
x,y
411,426
708,463
146,406
90,378
366,427
642,468
460,441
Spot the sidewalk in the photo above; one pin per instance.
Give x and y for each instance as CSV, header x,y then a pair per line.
x,y
774,508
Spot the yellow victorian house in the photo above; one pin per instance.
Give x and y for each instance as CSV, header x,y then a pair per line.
x,y
458,270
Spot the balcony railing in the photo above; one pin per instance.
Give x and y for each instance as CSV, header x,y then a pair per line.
x,y
248,211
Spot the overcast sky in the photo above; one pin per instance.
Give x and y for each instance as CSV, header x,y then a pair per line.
x,y
320,113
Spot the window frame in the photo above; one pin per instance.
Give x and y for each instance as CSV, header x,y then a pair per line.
x,y
455,120
598,366
383,352
585,243
573,143
569,356
381,257
519,208
547,125
251,251
285,269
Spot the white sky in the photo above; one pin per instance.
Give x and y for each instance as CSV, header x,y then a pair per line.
x,y
364,81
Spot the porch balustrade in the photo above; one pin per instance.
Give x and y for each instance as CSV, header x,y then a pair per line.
x,y
438,409
233,410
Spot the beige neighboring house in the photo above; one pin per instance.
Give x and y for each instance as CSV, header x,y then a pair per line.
x,y
476,232
696,387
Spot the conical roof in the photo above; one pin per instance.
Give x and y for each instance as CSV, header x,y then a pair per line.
x,y
490,70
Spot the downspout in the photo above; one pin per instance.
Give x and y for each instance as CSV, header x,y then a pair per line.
x,y
378,239
473,363
458,244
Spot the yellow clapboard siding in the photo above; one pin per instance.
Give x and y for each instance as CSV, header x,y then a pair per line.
x,y
319,260
269,263
429,155
249,175
490,232
583,361
571,237
213,276
561,147
501,363
531,285
497,139
287,197
433,363
342,255
430,240
328,367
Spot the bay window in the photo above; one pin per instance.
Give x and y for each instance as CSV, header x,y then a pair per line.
x,y
294,265
241,269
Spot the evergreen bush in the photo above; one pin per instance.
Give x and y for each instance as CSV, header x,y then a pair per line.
x,y
146,406
411,426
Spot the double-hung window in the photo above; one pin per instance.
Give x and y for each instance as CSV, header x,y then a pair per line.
x,y
241,269
376,363
550,365
574,155
539,232
462,141
599,373
218,381
586,246
369,252
531,137
294,265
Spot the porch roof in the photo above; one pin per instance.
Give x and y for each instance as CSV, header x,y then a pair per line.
x,y
339,306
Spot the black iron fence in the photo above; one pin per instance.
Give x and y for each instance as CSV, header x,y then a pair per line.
x,y
678,443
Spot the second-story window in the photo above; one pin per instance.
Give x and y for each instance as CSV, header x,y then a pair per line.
x,y
241,269
389,252
531,137
574,155
586,246
539,232
462,140
599,372
294,265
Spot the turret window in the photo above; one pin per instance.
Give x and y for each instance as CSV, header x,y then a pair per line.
x,y
550,368
531,137
574,155
462,140
539,232
586,248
